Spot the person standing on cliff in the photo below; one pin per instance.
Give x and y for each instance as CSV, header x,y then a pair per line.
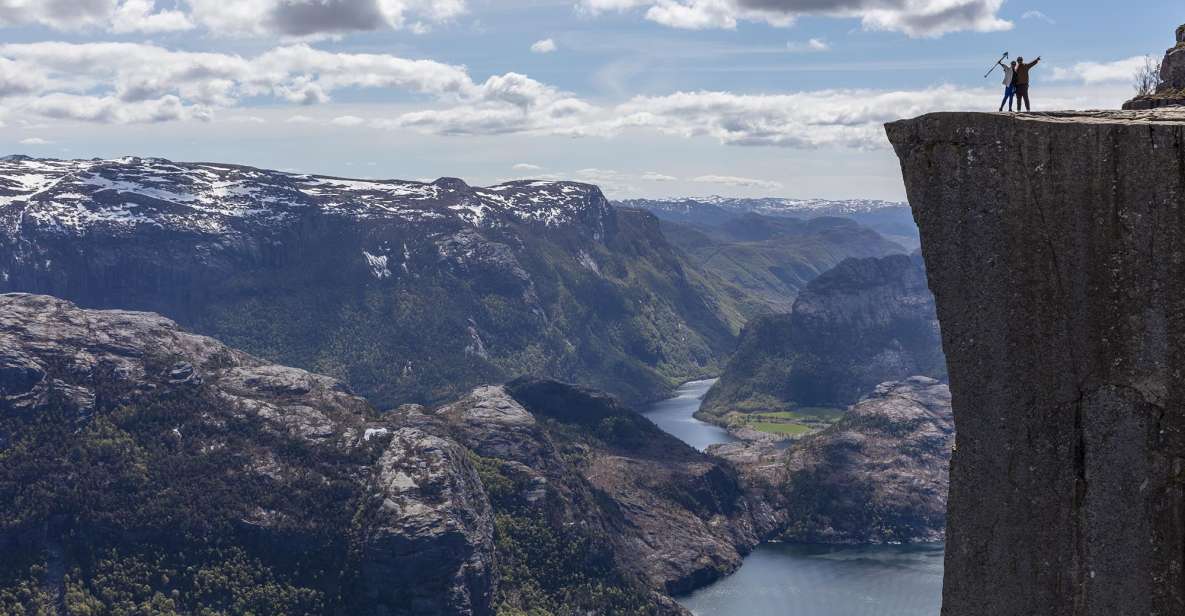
x,y
1022,81
1009,83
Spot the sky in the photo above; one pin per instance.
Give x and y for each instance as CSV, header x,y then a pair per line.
x,y
646,98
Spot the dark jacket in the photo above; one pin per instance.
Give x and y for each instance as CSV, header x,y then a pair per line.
x,y
1022,72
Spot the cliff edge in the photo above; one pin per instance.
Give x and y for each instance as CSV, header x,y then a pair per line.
x,y
1055,248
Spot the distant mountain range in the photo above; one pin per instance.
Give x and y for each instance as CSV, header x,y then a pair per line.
x,y
408,291
771,206
769,259
890,218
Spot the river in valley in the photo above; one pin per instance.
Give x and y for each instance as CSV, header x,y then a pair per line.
x,y
806,580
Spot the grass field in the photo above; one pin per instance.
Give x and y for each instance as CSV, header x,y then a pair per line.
x,y
791,429
799,422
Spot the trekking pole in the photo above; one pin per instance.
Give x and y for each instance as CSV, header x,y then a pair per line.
x,y
1002,58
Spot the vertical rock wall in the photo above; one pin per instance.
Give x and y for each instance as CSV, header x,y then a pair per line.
x,y
1055,247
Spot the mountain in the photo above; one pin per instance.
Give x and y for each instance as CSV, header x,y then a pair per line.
x,y
765,261
1059,284
147,470
144,469
891,219
878,475
862,323
408,291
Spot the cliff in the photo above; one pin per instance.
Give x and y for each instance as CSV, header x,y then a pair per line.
x,y
1054,246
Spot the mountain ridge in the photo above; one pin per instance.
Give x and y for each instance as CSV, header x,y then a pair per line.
x,y
409,291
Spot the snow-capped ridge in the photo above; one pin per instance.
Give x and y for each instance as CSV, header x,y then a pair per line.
x,y
123,194
767,205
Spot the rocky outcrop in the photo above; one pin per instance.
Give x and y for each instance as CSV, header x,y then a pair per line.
x,y
166,445
1053,244
673,518
878,475
862,323
1171,91
258,487
406,291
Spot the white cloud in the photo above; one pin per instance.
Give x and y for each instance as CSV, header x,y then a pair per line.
x,y
845,118
1100,72
915,18
299,119
603,175
510,103
653,176
126,83
246,119
59,14
111,110
544,46
812,45
198,83
1038,15
527,167
740,182
288,18
35,141
138,16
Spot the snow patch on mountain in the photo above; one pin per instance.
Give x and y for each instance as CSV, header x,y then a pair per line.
x,y
378,265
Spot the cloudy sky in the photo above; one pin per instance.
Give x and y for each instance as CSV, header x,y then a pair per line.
x,y
644,97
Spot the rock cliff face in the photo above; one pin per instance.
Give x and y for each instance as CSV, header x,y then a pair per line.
x,y
1054,245
669,515
861,323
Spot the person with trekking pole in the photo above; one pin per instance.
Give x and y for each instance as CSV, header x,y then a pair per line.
x,y
1022,81
1009,83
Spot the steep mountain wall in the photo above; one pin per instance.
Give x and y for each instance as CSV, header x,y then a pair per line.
x,y
862,323
1055,247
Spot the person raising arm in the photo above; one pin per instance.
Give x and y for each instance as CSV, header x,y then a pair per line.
x,y
1022,81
